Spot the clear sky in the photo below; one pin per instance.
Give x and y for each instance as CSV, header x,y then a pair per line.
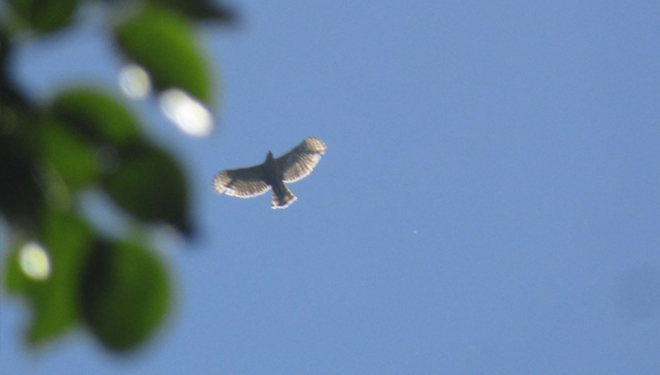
x,y
488,203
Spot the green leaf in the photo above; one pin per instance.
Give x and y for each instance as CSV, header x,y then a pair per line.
x,y
125,294
164,43
72,158
150,185
45,15
50,281
97,115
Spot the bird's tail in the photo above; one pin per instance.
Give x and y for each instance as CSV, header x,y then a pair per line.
x,y
282,198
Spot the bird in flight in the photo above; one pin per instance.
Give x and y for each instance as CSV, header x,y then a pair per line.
x,y
272,173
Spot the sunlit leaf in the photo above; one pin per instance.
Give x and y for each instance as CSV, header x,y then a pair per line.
x,y
96,115
164,43
125,294
45,15
65,241
150,185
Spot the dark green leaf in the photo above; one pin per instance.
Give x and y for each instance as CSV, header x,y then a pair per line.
x,y
45,15
125,294
97,115
164,43
21,197
6,48
150,185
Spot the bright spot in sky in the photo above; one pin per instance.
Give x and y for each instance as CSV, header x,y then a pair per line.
x,y
187,113
34,261
134,81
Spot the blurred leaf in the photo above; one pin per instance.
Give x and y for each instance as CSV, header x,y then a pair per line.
x,y
125,294
6,48
96,115
21,197
164,43
45,15
150,185
72,158
54,300
200,9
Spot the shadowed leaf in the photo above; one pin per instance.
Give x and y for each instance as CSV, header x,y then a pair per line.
x,y
45,15
21,197
150,185
125,294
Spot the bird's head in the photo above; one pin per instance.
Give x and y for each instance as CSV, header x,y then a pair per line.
x,y
269,156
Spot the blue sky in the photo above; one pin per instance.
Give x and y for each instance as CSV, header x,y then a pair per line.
x,y
488,203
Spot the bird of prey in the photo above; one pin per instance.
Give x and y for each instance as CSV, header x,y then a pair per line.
x,y
272,173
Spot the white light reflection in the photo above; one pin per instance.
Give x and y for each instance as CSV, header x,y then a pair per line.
x,y
34,261
134,81
186,113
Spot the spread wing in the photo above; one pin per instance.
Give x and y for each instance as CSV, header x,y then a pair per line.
x,y
242,182
300,162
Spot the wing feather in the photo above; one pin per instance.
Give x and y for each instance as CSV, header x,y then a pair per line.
x,y
301,160
242,182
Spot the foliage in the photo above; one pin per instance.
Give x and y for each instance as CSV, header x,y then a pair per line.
x,y
85,138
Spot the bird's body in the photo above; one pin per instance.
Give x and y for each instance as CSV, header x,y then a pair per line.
x,y
272,174
282,196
